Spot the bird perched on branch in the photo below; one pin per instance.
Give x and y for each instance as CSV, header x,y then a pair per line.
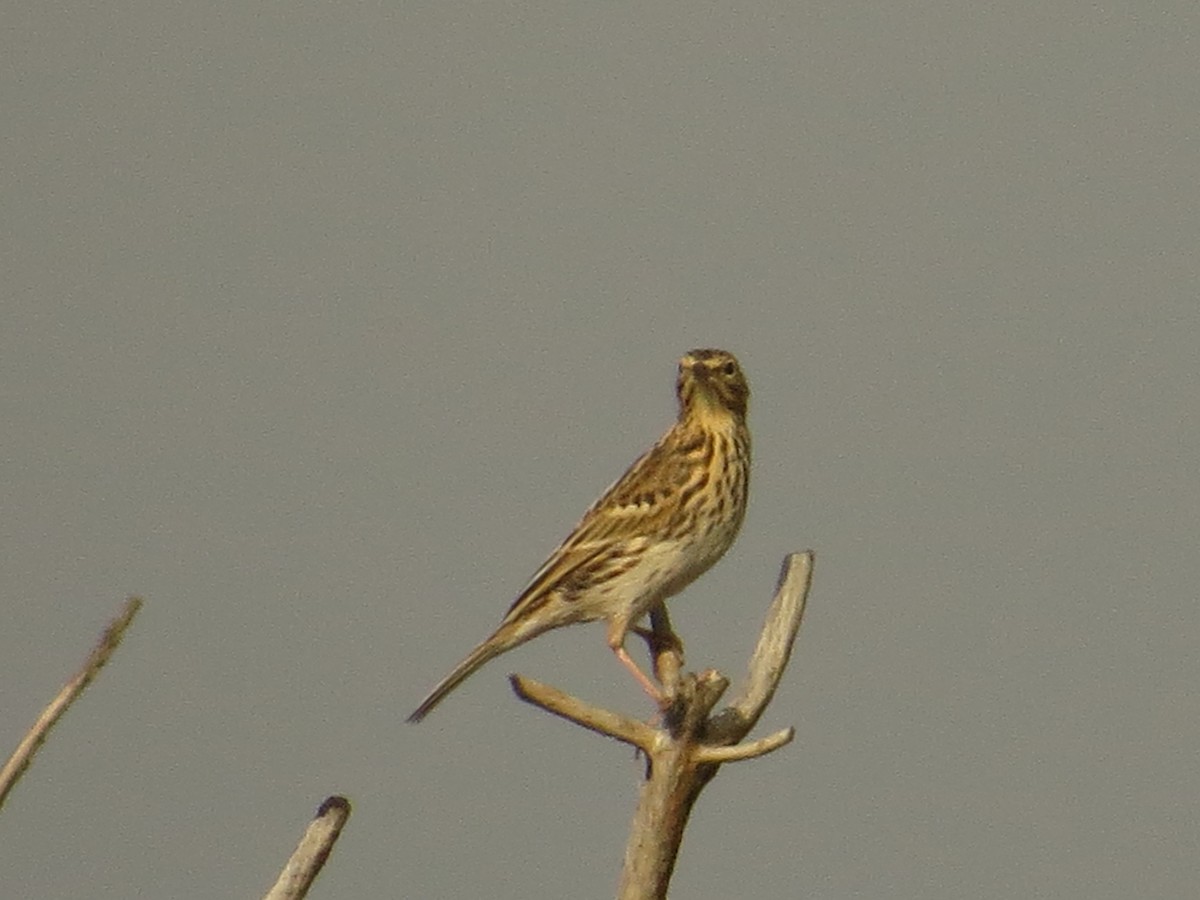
x,y
673,514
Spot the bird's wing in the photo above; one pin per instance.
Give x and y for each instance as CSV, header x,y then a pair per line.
x,y
612,529
568,570
636,503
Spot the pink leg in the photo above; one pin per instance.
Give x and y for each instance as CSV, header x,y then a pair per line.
x,y
647,685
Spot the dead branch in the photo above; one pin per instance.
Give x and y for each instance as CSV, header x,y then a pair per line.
x,y
687,751
36,736
310,854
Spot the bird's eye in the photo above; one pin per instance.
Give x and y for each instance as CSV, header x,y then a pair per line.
x,y
729,368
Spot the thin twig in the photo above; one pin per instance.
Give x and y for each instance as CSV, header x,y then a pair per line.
x,y
602,721
752,750
36,736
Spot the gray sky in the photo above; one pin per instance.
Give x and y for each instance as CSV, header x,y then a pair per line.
x,y
323,324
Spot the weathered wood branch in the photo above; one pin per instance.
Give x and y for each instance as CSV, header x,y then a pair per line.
x,y
686,752
36,736
310,854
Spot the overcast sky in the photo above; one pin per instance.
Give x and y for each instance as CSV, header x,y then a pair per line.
x,y
322,324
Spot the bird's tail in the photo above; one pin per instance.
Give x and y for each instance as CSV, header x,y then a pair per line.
x,y
495,645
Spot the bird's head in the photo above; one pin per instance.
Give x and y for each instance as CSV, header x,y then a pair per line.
x,y
711,381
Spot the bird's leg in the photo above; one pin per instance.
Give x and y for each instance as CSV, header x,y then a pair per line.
x,y
616,643
647,685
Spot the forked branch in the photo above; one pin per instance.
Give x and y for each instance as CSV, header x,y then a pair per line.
x,y
685,753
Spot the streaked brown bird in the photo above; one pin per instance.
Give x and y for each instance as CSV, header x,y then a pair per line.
x,y
673,514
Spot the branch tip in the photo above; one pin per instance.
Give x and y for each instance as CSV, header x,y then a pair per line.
x,y
753,750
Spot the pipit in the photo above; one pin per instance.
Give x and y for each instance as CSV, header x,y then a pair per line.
x,y
664,523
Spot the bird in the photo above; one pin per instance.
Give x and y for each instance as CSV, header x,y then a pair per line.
x,y
662,524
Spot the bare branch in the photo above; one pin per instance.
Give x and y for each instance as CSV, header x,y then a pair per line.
x,y
775,642
312,851
753,750
687,751
666,649
601,721
699,743
36,736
